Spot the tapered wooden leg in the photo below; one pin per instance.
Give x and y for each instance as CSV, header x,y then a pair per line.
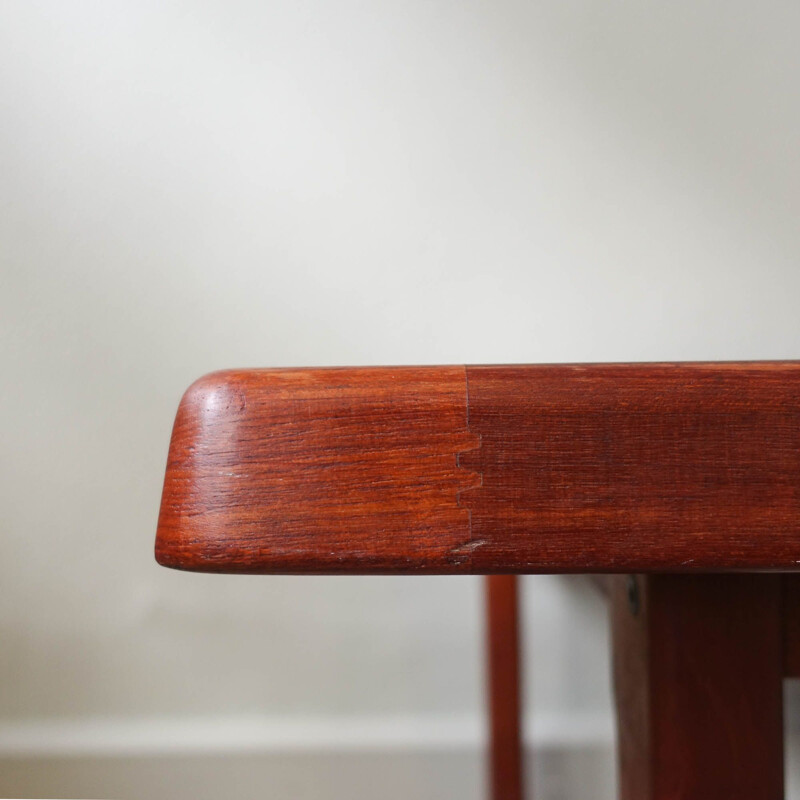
x,y
698,683
505,710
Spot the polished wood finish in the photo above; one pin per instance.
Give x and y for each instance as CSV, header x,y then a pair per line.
x,y
635,468
698,679
593,468
326,470
506,752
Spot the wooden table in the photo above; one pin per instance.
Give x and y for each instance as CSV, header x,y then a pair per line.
x,y
683,480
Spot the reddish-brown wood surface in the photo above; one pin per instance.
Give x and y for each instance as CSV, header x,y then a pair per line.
x,y
698,683
323,470
594,468
506,764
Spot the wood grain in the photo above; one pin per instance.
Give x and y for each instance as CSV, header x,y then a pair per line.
x,y
326,470
506,754
635,468
698,684
573,468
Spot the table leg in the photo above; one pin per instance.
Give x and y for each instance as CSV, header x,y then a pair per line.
x,y
698,682
506,751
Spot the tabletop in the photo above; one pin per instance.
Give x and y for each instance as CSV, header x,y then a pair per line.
x,y
669,467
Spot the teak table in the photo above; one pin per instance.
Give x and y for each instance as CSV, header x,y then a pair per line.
x,y
684,478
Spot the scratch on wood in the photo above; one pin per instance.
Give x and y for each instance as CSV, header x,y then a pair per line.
x,y
463,553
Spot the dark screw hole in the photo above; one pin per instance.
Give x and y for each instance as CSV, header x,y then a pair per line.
x,y
633,594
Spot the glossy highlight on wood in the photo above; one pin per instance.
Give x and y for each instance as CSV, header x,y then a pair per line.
x,y
325,470
549,468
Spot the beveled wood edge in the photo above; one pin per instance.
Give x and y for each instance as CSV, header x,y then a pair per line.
x,y
463,561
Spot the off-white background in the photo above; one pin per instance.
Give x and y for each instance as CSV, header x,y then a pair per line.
x,y
187,187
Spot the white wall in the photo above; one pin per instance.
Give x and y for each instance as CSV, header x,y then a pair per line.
x,y
186,187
